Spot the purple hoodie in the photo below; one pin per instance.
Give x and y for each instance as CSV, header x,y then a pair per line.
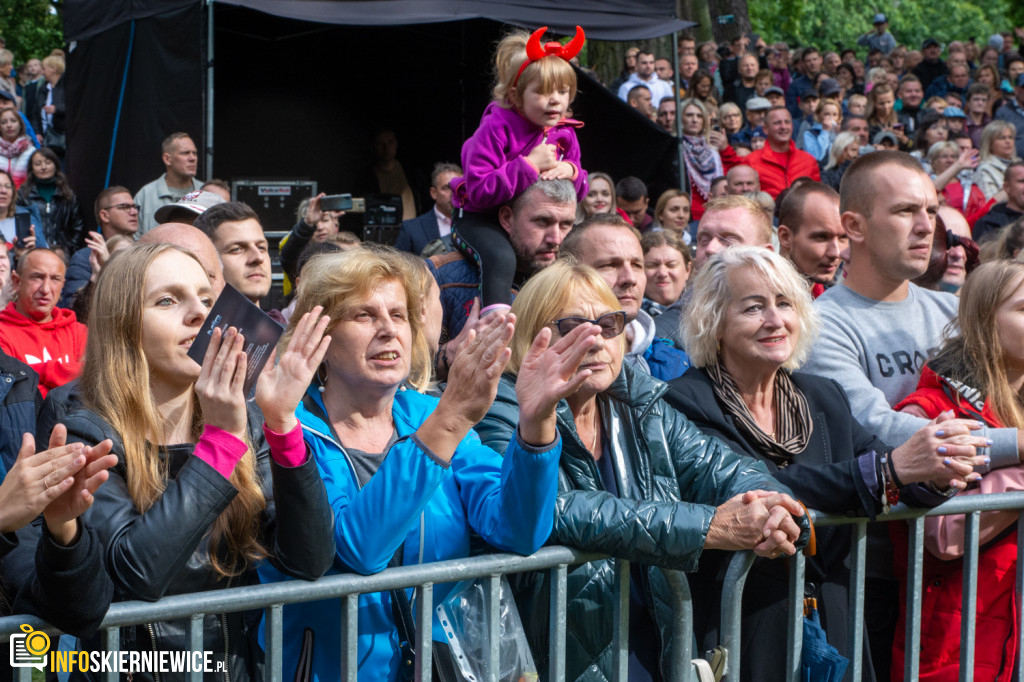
x,y
494,158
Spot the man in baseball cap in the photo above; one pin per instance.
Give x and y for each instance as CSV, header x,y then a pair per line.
x,y
188,208
880,38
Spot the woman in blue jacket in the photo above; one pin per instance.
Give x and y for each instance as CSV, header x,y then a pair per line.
x,y
406,476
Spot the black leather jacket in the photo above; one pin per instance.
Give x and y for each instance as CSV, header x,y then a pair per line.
x,y
165,551
62,219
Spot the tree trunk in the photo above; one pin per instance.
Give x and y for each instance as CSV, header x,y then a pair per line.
x,y
695,10
730,20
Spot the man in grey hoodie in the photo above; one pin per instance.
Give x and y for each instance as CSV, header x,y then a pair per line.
x,y
608,244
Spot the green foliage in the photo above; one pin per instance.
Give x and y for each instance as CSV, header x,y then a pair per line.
x,y
831,23
32,28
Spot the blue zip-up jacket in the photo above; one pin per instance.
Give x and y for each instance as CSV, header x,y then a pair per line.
x,y
508,501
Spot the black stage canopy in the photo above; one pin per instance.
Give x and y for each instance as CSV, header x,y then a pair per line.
x,y
299,85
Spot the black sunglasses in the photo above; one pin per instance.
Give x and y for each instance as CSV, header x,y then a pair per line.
x,y
611,324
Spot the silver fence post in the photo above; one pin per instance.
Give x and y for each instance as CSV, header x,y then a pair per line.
x,y
620,659
858,554
24,675
795,637
682,628
349,637
1019,589
195,643
492,601
274,645
915,570
424,634
732,609
110,640
556,624
969,615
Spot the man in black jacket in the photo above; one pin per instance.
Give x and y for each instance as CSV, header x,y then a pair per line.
x,y
19,402
931,66
1002,214
436,223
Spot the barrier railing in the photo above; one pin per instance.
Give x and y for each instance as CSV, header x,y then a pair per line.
x,y
972,506
274,596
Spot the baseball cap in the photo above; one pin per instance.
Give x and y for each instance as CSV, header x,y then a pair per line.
x,y
8,96
930,42
829,87
879,19
953,112
758,132
188,207
758,104
774,90
885,135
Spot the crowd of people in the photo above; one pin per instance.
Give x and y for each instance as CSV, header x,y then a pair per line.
x,y
828,314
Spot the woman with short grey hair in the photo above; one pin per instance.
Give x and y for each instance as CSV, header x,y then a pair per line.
x,y
749,325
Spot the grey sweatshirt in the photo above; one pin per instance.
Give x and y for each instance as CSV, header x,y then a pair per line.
x,y
875,350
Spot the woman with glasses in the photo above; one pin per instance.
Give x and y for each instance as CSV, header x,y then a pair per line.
x,y
9,222
637,481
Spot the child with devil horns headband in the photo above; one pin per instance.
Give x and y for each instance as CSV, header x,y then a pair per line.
x,y
523,136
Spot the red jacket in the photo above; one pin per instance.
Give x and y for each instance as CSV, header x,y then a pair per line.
x,y
778,171
996,628
53,349
729,159
976,205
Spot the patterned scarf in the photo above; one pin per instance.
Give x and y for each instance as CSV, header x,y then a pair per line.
x,y
793,423
14,149
703,164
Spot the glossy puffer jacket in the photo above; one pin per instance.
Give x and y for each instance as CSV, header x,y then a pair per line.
x,y
166,550
671,477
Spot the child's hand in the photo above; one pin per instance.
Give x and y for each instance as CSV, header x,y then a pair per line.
x,y
543,157
562,169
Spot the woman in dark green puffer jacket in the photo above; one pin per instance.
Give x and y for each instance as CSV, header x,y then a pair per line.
x,y
637,480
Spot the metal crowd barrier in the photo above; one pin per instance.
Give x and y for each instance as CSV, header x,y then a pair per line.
x,y
971,506
557,560
272,598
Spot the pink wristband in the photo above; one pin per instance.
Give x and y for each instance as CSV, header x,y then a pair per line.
x,y
287,449
219,449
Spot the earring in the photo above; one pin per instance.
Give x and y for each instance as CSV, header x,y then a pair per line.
x,y
321,376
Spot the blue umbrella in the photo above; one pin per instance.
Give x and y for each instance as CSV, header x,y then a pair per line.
x,y
820,661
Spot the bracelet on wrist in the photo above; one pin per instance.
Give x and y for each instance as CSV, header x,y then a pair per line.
x,y
890,491
892,471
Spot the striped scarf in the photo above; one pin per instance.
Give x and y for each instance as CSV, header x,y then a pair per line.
x,y
793,424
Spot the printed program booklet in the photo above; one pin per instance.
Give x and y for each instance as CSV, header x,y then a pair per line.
x,y
260,331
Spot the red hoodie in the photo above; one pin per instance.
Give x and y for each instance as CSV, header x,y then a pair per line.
x,y
54,349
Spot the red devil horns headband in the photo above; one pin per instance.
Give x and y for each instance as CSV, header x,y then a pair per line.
x,y
536,51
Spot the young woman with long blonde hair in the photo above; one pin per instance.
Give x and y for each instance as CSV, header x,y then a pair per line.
x,y
205,487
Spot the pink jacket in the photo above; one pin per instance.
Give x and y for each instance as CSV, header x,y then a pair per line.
x,y
494,158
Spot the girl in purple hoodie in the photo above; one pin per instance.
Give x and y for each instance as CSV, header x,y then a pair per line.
x,y
523,137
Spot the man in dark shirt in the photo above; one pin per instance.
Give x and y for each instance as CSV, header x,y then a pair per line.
x,y
1002,214
931,66
812,67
